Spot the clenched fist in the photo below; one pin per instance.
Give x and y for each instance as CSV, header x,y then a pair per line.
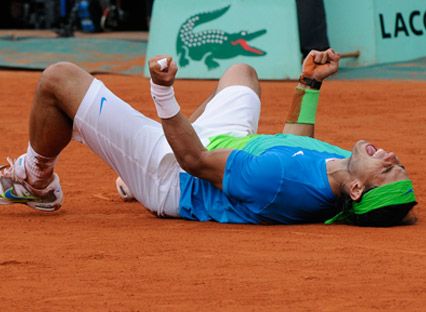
x,y
319,65
165,77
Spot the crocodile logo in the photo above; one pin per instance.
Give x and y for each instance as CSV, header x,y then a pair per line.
x,y
213,44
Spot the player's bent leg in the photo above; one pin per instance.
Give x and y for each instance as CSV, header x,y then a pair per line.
x,y
133,145
240,75
31,179
59,93
236,75
235,108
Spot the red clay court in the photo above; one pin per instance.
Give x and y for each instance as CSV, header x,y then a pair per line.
x,y
100,254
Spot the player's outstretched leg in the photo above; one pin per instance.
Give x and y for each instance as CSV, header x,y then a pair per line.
x,y
31,179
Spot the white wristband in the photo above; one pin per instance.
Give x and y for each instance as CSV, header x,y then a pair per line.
x,y
165,101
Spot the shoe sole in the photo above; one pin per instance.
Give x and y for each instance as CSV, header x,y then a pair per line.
x,y
45,207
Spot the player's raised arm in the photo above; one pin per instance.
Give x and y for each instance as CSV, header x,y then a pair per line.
x,y
317,66
191,155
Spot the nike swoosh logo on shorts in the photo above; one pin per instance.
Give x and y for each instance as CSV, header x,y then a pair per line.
x,y
102,104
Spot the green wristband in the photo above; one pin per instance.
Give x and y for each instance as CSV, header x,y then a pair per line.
x,y
308,106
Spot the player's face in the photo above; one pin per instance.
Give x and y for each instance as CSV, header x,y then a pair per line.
x,y
375,166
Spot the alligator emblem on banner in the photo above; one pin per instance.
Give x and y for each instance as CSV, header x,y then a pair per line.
x,y
213,44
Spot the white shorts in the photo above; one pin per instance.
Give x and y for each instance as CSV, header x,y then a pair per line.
x,y
136,148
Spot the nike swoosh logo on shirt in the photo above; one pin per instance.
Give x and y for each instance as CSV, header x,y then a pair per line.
x,y
298,153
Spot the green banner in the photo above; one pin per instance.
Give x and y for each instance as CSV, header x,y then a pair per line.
x,y
384,31
206,37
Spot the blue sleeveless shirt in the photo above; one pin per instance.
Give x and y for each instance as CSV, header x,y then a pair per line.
x,y
268,179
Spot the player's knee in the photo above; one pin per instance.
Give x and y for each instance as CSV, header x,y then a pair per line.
x,y
240,74
244,70
57,75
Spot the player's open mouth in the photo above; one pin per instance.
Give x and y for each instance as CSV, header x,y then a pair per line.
x,y
370,149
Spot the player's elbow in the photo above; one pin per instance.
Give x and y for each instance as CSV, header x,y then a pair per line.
x,y
190,163
193,164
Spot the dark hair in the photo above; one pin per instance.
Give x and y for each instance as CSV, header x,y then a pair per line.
x,y
383,217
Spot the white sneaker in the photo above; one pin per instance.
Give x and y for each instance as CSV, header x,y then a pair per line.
x,y
15,190
123,190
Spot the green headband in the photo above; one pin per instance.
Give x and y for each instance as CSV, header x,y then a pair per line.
x,y
395,193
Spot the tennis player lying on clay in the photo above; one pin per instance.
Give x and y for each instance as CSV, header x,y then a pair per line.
x,y
212,166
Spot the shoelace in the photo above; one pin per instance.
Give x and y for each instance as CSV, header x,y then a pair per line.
x,y
8,171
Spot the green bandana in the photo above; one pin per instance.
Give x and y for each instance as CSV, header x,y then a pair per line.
x,y
395,193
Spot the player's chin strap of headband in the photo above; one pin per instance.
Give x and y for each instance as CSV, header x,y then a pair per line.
x,y
395,193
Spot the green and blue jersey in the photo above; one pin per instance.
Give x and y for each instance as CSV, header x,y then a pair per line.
x,y
268,179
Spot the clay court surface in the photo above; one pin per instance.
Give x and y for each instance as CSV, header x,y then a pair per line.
x,y
100,254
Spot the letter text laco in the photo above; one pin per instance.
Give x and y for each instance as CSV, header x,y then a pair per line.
x,y
413,24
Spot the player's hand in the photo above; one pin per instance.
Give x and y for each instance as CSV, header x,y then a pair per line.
x,y
165,77
319,65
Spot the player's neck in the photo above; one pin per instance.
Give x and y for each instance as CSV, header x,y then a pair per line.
x,y
338,175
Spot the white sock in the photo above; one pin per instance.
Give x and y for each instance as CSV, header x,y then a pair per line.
x,y
38,167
